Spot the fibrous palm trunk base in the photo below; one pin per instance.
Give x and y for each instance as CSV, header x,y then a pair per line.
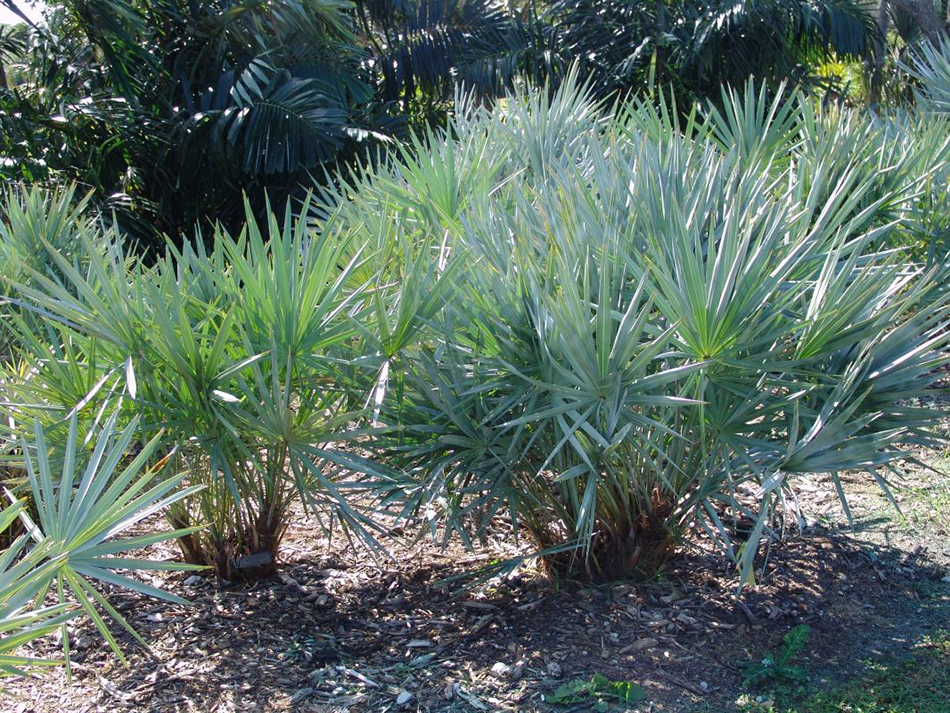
x,y
248,556
638,554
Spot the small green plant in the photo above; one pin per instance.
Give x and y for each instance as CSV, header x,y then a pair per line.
x,y
919,683
599,689
780,666
301,649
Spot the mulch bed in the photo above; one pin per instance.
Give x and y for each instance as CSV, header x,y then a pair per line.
x,y
341,631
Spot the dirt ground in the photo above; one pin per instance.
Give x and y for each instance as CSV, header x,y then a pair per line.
x,y
340,631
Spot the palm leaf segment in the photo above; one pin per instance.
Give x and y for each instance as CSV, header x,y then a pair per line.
x,y
82,515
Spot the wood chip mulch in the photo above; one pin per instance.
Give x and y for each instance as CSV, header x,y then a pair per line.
x,y
341,631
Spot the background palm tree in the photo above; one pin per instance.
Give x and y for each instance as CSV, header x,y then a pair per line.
x,y
171,110
177,108
697,47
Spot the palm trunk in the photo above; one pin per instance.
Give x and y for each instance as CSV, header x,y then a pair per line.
x,y
926,15
878,54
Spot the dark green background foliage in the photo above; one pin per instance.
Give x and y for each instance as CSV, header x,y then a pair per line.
x,y
170,110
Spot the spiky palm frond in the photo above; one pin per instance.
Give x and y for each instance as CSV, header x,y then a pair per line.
x,y
22,574
75,538
428,45
929,64
698,47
